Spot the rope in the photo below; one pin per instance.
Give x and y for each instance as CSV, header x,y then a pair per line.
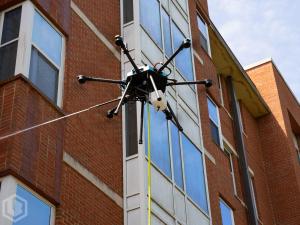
x,y
57,119
149,166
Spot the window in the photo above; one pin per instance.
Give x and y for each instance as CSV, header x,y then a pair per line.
x,y
185,157
160,154
22,206
127,11
253,190
150,19
40,57
167,33
152,16
296,144
177,161
194,173
226,214
9,34
184,59
204,38
228,153
214,121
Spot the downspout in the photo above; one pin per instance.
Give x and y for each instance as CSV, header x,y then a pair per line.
x,y
240,145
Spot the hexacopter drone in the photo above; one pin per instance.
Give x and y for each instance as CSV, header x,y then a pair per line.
x,y
146,84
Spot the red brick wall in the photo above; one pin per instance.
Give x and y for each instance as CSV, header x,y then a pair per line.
x,y
35,157
280,159
56,11
84,204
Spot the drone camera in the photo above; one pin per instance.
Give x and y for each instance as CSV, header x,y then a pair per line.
x,y
81,79
186,43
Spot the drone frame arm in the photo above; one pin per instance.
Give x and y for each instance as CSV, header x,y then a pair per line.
x,y
206,82
120,42
185,44
174,117
82,79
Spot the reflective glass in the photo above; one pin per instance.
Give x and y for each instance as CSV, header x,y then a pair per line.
x,y
38,212
214,132
11,25
176,156
213,112
183,59
226,214
194,173
43,74
47,39
160,154
150,19
167,33
202,27
8,55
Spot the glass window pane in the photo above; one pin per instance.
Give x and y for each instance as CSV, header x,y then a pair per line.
x,y
11,25
202,27
8,55
150,19
43,74
127,10
203,42
167,33
213,112
226,214
176,156
194,173
183,59
160,154
38,212
47,38
215,133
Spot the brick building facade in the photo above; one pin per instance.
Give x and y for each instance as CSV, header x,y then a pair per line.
x,y
236,162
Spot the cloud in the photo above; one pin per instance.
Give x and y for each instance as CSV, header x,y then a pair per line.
x,y
258,29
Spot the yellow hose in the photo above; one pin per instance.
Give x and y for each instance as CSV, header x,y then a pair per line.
x,y
149,166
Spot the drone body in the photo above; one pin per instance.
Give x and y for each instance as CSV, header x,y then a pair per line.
x,y
146,84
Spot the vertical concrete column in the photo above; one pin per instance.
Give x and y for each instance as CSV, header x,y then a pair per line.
x,y
240,145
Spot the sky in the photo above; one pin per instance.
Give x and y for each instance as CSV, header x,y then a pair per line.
x,y
259,29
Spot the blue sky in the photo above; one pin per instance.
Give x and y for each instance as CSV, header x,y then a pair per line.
x,y
258,29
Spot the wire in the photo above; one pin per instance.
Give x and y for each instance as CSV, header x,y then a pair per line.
x,y
57,119
149,165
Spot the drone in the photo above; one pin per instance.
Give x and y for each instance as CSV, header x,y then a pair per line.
x,y
146,84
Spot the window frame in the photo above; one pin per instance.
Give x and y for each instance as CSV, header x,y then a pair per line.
x,y
25,44
219,121
229,151
11,184
231,210
207,33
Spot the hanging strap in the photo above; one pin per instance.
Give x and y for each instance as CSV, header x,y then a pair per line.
x,y
149,165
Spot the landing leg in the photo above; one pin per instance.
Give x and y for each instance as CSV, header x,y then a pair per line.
x,y
141,123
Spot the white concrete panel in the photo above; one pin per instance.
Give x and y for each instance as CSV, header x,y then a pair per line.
x,y
156,221
129,36
187,94
133,202
162,215
183,4
162,191
179,20
132,172
179,205
189,126
150,49
195,216
165,4
133,217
